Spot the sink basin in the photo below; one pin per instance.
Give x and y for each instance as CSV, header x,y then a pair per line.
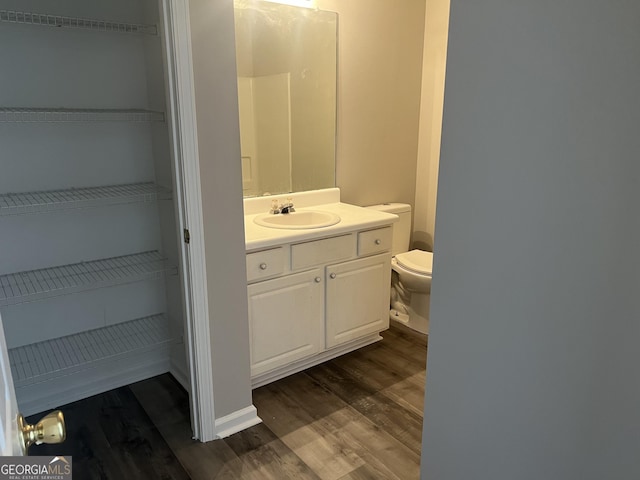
x,y
298,220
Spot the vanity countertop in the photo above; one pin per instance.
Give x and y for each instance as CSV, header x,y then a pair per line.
x,y
352,218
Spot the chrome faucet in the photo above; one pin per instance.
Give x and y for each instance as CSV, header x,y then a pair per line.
x,y
282,208
287,207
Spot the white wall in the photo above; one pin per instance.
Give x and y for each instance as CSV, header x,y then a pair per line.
x,y
379,71
212,37
533,352
436,27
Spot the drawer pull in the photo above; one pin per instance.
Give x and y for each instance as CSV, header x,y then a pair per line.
x,y
378,241
318,279
332,275
266,263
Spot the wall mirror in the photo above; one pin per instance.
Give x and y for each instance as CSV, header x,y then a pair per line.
x,y
287,62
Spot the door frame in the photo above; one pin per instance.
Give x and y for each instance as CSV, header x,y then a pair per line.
x,y
181,117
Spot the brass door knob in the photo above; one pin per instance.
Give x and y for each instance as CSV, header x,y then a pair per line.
x,y
50,429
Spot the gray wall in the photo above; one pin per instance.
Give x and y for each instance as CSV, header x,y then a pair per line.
x,y
212,37
533,353
378,111
436,33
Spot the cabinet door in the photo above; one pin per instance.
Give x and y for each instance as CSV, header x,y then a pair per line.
x,y
357,298
286,317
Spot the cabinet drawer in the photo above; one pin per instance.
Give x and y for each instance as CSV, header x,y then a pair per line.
x,y
374,241
265,264
317,252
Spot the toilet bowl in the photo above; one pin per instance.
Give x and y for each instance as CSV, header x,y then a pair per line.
x,y
411,272
414,268
411,288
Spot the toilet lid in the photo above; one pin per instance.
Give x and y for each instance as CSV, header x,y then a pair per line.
x,y
417,261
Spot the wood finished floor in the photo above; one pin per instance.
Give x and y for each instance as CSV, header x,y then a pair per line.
x,y
355,417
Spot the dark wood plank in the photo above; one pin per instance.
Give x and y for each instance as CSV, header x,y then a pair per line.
x,y
265,457
406,343
365,472
381,369
283,413
110,436
401,423
355,417
406,336
163,399
348,427
167,404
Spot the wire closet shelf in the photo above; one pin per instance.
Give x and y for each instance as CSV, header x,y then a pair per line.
x,y
42,361
47,201
60,21
28,286
31,115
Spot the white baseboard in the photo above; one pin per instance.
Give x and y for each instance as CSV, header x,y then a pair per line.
x,y
237,421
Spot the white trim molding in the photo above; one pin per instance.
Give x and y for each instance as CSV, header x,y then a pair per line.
x,y
237,421
185,144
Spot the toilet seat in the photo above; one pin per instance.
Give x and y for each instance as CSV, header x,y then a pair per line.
x,y
416,261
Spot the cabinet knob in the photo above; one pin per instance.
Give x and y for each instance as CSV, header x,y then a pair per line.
x,y
263,266
332,275
318,279
378,241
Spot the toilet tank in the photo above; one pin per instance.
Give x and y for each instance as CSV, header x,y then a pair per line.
x,y
402,228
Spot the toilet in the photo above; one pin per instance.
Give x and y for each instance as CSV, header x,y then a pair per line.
x,y
411,273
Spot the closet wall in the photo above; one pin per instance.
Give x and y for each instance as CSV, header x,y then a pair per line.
x,y
89,291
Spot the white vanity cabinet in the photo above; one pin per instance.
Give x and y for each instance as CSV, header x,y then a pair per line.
x,y
314,300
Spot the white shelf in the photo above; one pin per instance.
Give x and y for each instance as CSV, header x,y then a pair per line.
x,y
33,115
29,286
43,19
44,361
74,198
